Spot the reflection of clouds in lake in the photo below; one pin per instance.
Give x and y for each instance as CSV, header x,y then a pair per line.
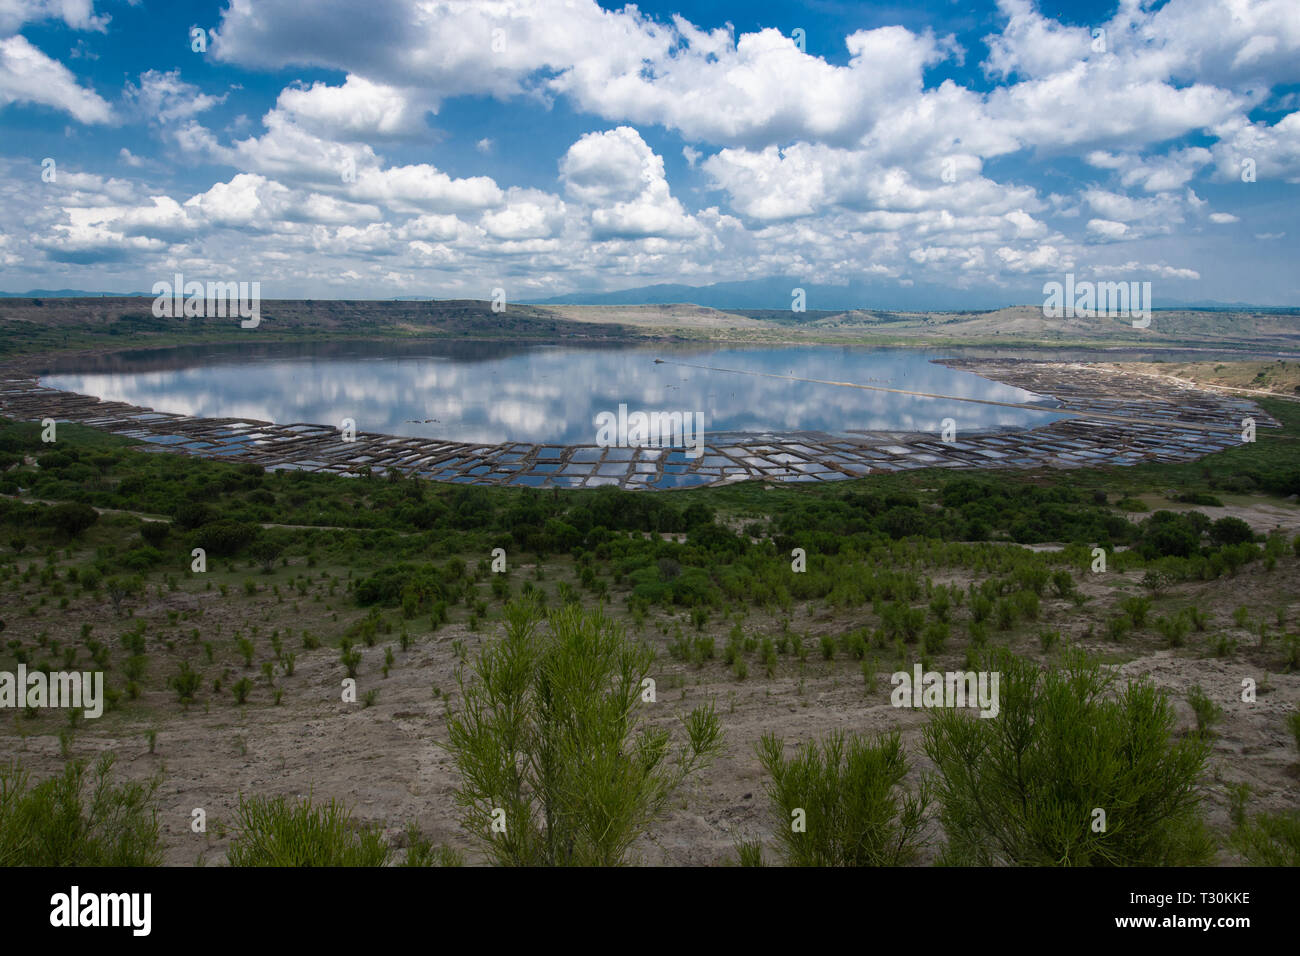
x,y
553,394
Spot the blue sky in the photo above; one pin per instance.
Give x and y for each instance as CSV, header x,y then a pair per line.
x,y
335,149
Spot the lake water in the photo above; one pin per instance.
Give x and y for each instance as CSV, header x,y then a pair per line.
x,y
492,393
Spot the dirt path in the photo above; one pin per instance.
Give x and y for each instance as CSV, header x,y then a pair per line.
x,y
1211,386
166,520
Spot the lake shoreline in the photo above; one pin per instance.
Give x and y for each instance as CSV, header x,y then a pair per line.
x,y
1116,417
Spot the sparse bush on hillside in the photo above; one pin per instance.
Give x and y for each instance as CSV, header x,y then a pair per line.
x,y
186,683
1137,609
554,768
841,803
1207,712
121,587
1025,788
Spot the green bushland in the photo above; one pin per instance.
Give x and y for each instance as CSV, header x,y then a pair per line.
x,y
1025,788
418,528
78,818
555,768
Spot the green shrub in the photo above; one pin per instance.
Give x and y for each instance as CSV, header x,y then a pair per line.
x,y
749,853
1207,712
141,559
1223,646
274,832
193,514
1006,614
869,667
70,519
77,818
1270,839
349,658
1137,609
265,552
154,533
1291,653
1022,788
703,648
122,587
840,803
186,683
1025,604
548,734
1157,581
1230,531
420,850
224,538
1174,629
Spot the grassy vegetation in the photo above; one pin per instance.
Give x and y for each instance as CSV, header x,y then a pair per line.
x,y
280,832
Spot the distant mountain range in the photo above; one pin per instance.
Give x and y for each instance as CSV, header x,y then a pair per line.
x,y
770,293
777,292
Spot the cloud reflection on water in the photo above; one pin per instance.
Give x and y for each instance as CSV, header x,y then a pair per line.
x,y
553,394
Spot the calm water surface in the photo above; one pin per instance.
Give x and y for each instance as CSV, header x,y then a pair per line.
x,y
495,393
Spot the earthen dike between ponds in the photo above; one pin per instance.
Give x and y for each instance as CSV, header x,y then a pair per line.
x,y
1108,417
